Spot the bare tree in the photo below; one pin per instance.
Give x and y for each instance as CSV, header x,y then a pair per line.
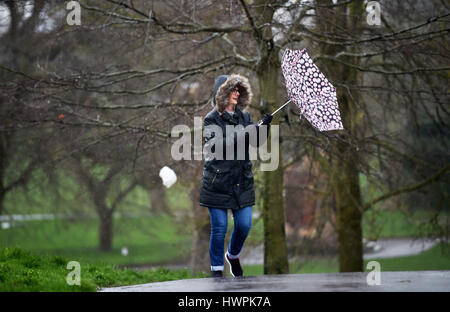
x,y
18,53
384,76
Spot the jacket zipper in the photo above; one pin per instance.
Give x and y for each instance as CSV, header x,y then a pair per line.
x,y
214,178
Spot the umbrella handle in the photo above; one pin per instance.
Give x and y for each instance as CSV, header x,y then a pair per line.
x,y
279,108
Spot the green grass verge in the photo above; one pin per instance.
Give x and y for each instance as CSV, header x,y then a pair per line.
x,y
152,240
25,271
435,258
148,240
378,223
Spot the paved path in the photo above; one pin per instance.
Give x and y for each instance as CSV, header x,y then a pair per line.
x,y
426,281
383,248
398,247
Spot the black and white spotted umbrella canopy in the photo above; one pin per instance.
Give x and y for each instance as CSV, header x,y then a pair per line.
x,y
311,91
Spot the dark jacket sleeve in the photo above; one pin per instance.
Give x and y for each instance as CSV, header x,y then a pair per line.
x,y
212,138
260,140
237,135
209,133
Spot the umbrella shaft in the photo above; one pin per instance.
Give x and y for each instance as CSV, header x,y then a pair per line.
x,y
281,107
260,123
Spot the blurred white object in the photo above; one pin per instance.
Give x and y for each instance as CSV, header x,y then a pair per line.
x,y
124,251
5,225
168,176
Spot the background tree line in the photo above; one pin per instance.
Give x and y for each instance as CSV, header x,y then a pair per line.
x,y
99,100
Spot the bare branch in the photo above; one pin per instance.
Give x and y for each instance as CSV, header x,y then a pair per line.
x,y
435,177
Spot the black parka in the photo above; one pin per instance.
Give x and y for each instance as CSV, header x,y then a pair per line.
x,y
229,183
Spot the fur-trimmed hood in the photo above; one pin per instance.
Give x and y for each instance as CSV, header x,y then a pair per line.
x,y
224,85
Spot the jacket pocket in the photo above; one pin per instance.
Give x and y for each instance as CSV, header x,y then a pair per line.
x,y
220,180
248,176
207,179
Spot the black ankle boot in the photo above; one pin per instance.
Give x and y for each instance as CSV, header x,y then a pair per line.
x,y
216,274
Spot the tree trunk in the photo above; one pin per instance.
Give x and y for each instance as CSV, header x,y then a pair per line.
x,y
275,250
2,172
348,210
105,217
348,193
2,199
199,261
344,174
106,231
345,178
158,199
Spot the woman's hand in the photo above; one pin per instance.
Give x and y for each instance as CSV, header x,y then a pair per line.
x,y
267,119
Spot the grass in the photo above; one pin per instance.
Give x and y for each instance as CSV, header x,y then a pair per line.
x,y
148,240
435,258
378,223
156,240
25,271
22,270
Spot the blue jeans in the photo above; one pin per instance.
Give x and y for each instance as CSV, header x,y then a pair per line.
x,y
219,223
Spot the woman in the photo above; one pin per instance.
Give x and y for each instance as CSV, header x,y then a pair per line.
x,y
228,183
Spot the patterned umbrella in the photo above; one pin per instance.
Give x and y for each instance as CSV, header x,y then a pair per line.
x,y
311,91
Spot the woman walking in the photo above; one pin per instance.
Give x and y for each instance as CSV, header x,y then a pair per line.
x,y
227,183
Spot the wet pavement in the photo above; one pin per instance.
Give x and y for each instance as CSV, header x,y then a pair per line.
x,y
413,281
